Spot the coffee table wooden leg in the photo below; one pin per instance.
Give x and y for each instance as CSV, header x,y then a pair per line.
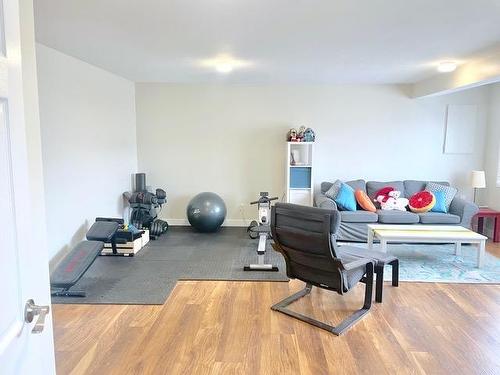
x,y
480,253
458,248
370,239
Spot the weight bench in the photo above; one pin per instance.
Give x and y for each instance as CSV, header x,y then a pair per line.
x,y
104,230
80,258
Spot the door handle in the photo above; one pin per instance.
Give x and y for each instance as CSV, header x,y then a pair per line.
x,y
31,310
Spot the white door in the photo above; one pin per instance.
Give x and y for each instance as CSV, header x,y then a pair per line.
x,y
25,347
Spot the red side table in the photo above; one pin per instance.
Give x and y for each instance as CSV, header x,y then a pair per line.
x,y
485,212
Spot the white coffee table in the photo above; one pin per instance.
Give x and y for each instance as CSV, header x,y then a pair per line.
x,y
386,233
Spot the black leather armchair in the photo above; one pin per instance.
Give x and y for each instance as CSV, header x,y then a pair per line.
x,y
303,235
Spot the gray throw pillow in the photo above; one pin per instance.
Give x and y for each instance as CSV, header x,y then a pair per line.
x,y
334,190
449,192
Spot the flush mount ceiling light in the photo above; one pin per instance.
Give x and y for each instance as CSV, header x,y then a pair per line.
x,y
447,66
224,64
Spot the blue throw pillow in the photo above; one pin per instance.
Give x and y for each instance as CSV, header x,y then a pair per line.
x,y
440,205
449,192
345,198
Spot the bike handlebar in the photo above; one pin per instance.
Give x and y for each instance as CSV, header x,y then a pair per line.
x,y
265,200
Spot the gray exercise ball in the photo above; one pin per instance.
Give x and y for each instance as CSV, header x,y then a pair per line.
x,y
206,212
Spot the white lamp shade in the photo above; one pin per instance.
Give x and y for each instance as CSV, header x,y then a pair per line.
x,y
478,179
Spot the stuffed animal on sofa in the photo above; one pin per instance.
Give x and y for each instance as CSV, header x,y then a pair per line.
x,y
390,199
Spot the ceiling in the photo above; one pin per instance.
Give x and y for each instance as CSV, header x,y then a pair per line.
x,y
285,41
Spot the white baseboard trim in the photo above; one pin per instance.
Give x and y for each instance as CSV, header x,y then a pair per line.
x,y
236,223
176,222
227,222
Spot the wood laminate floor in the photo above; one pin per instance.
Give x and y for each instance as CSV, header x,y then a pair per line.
x,y
216,327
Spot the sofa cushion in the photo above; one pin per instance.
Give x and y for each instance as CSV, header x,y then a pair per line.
x,y
373,186
397,217
414,186
357,184
358,217
438,218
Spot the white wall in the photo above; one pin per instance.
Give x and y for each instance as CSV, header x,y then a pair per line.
x,y
492,193
88,142
231,139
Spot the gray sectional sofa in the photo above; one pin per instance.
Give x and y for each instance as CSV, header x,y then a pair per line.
x,y
353,225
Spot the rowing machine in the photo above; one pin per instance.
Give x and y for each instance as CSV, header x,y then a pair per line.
x,y
261,229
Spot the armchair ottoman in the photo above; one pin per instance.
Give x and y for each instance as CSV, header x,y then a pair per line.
x,y
379,260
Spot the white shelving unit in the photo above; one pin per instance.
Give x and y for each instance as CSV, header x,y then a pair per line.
x,y
300,173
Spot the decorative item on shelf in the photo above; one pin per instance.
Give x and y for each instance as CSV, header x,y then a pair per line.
x,y
294,157
292,135
300,135
309,135
478,181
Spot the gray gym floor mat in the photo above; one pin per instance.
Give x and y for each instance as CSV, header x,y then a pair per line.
x,y
180,254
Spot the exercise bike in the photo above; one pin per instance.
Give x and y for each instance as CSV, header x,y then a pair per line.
x,y
261,229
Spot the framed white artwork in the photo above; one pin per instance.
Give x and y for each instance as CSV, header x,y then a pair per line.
x,y
460,131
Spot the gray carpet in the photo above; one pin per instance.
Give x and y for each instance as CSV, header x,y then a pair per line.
x,y
181,254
